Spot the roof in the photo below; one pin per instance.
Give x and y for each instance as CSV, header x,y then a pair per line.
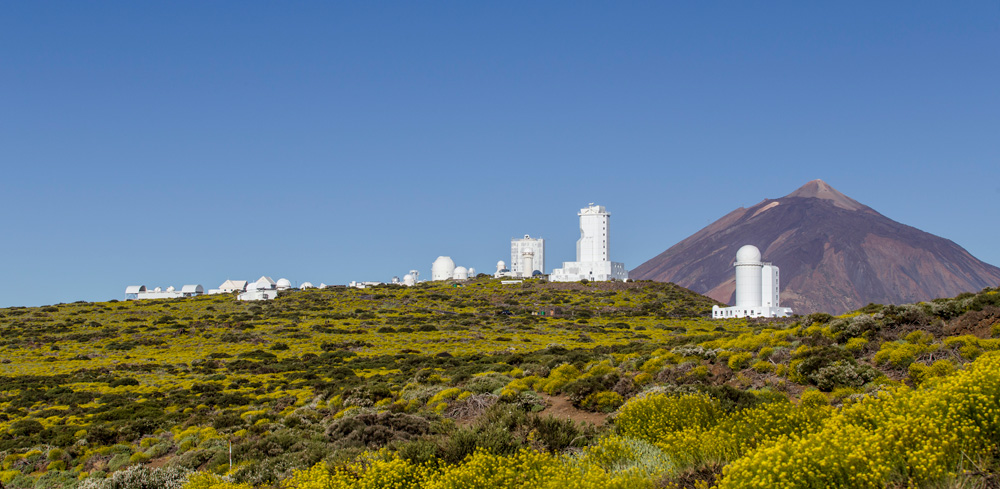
x,y
265,282
234,285
135,289
192,289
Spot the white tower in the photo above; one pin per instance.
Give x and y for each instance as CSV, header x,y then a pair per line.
x,y
594,242
757,288
527,255
769,286
748,277
593,250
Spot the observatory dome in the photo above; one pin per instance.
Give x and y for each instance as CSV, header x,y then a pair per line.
x,y
443,268
283,283
461,273
306,285
748,254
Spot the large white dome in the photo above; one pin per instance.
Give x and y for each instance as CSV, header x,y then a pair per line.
x,y
748,254
283,283
443,268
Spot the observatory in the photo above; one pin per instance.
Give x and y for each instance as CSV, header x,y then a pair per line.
x,y
230,286
527,256
593,250
134,292
443,268
263,289
757,288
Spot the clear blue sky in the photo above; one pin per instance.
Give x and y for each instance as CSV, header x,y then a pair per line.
x,y
164,143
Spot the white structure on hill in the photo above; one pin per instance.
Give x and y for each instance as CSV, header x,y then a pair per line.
x,y
133,292
444,269
410,279
527,256
230,286
593,250
757,289
263,289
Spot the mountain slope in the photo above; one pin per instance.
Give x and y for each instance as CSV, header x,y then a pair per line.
x,y
835,255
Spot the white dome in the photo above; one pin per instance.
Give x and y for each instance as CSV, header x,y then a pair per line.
x,y
460,273
409,279
501,265
171,289
443,268
748,254
472,272
306,285
283,283
322,285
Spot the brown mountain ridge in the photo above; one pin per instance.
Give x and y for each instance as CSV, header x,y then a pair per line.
x,y
835,255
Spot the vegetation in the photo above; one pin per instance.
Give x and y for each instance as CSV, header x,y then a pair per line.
x,y
486,385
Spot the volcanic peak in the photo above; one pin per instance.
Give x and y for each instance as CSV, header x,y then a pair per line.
x,y
818,189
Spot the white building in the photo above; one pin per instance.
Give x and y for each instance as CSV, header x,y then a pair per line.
x,y
133,292
527,255
230,286
263,289
757,289
443,268
593,250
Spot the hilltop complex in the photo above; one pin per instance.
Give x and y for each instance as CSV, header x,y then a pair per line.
x,y
593,253
756,289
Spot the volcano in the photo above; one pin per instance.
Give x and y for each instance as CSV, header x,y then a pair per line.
x,y
835,255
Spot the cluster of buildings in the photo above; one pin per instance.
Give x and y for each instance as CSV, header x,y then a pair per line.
x,y
756,281
264,288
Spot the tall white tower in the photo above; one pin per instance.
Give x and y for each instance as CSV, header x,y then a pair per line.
x,y
756,288
593,250
748,277
594,242
769,286
527,255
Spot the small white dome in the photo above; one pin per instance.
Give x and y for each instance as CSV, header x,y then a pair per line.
x,y
283,283
501,265
306,285
322,285
748,254
157,290
460,273
171,289
409,279
472,272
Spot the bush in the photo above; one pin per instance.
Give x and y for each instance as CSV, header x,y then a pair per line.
x,y
740,361
843,373
140,477
605,402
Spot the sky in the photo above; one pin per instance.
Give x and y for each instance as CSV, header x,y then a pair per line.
x,y
168,143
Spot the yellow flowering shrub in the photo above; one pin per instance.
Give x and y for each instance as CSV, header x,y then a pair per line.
x,y
902,436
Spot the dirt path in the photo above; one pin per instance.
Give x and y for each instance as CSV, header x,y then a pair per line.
x,y
560,407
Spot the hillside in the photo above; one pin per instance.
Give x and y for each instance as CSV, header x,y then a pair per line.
x,y
835,255
453,383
